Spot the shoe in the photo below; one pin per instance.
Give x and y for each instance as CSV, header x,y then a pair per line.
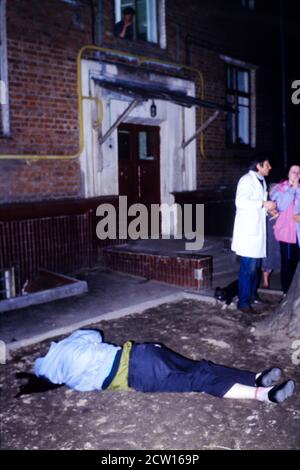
x,y
257,300
268,377
281,392
247,310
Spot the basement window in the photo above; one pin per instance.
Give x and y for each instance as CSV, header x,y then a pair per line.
x,y
4,108
148,23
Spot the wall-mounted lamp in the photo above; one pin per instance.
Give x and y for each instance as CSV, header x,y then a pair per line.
x,y
153,109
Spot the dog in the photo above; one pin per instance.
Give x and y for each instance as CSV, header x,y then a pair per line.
x,y
226,295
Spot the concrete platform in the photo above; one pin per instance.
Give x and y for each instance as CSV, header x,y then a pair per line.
x,y
110,295
57,286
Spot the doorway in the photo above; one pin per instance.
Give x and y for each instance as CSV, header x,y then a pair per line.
x,y
139,163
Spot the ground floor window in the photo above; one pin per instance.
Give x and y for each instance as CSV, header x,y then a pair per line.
x,y
239,97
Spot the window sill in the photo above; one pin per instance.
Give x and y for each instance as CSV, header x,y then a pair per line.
x,y
239,147
139,43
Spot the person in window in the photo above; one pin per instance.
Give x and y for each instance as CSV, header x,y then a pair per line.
x,y
84,362
124,28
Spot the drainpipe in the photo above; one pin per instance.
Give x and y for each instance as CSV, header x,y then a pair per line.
x,y
283,84
100,22
178,41
93,21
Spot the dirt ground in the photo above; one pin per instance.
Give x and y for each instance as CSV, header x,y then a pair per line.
x,y
66,419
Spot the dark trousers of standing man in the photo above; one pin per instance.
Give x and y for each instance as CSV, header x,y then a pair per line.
x,y
290,256
249,278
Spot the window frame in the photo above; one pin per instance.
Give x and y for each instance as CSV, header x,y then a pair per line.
x,y
238,94
159,15
4,97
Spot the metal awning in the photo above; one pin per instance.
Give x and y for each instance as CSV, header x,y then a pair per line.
x,y
140,92
153,91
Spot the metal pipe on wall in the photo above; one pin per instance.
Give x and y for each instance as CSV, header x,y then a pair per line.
x,y
283,84
100,23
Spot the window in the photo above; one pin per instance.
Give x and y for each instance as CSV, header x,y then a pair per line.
x,y
238,96
248,4
146,22
4,109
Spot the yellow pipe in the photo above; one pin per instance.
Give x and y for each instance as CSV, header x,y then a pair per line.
x,y
141,59
98,101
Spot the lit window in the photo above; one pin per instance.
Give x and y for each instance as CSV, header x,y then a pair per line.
x,y
238,96
145,25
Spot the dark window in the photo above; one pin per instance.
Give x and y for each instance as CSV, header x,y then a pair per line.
x,y
248,4
145,24
124,144
238,96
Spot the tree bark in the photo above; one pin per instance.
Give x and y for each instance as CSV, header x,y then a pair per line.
x,y
286,318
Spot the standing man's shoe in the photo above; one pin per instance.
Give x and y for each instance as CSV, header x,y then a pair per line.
x,y
257,300
247,310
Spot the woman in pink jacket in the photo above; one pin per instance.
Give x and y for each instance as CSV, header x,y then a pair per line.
x,y
287,228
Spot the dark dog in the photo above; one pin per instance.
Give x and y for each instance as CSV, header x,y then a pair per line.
x,y
228,293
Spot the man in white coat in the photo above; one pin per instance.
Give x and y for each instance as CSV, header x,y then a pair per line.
x,y
249,233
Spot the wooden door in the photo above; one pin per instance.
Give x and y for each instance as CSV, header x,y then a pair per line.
x,y
139,165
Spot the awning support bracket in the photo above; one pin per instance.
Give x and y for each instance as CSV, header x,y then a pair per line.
x,y
120,119
202,128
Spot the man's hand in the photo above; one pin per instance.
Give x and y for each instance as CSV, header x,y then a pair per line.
x,y
274,214
269,205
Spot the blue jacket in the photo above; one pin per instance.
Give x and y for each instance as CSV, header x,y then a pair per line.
x,y
80,361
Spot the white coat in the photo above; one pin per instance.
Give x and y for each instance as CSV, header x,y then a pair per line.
x,y
249,232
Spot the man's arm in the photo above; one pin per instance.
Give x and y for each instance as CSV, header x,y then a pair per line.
x,y
245,200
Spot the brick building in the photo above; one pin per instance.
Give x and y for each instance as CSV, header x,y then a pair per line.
x,y
57,165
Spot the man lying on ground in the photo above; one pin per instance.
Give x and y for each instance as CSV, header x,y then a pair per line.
x,y
84,362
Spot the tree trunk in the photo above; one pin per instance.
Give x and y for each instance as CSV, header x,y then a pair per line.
x,y
286,318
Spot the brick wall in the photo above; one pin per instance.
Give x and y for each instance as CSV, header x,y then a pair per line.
x,y
43,41
44,38
54,235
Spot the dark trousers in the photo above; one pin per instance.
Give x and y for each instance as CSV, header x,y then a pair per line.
x,y
249,278
155,368
290,255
